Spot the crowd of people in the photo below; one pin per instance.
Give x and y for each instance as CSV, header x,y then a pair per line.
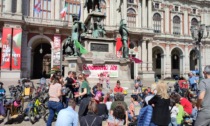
x,y
188,104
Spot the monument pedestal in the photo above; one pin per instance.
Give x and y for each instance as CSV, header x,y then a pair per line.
x,y
147,74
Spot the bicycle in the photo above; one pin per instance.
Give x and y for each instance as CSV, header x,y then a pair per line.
x,y
36,109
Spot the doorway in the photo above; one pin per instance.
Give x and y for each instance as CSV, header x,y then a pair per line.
x,y
41,61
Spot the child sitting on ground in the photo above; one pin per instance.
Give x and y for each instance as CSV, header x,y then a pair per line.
x,y
133,107
98,94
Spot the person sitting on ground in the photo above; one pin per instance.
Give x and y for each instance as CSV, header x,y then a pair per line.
x,y
95,89
134,107
192,81
68,116
136,90
119,117
184,102
91,119
109,103
102,109
174,112
183,84
138,80
119,99
2,94
118,88
98,94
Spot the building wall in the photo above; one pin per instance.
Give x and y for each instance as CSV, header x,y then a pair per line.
x,y
139,15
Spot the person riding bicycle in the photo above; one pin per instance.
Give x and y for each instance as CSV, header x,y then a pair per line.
x,y
2,95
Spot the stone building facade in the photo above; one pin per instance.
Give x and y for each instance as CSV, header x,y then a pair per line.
x,y
159,31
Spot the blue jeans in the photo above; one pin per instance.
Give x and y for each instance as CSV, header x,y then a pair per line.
x,y
193,87
129,116
54,107
173,122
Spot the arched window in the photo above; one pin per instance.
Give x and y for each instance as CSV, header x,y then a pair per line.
x,y
194,22
157,23
73,7
45,12
131,14
176,25
130,1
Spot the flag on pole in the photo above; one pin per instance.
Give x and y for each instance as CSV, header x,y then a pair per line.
x,y
80,47
37,7
64,10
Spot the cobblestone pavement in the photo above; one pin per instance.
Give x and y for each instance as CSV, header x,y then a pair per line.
x,y
21,122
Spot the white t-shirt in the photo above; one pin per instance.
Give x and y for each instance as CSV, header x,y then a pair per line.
x,y
108,104
174,112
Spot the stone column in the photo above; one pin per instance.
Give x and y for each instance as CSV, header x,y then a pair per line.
x,y
167,20
144,56
8,6
182,67
82,11
57,9
143,14
31,6
24,68
150,56
53,9
140,57
168,61
19,7
187,60
150,14
139,24
124,10
163,67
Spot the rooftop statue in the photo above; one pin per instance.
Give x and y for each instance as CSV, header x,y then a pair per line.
x,y
91,4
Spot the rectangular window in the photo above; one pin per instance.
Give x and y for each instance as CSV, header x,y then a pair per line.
x,y
157,5
194,11
130,1
176,8
45,12
73,7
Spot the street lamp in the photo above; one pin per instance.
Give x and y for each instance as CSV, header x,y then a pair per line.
x,y
197,32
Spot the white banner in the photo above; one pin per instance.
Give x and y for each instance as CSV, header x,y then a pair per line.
x,y
94,71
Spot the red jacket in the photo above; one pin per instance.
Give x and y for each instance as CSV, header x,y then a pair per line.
x,y
186,105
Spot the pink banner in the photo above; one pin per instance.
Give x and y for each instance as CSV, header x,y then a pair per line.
x,y
6,48
57,50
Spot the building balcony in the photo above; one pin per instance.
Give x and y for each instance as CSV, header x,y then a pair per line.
x,y
47,22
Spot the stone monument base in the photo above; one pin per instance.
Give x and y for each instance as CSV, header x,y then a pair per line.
x,y
147,74
118,69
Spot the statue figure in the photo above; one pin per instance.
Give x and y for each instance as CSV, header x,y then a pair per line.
x,y
91,4
78,29
119,8
95,33
102,31
124,36
69,46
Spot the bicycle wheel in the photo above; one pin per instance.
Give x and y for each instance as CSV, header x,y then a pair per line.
x,y
42,110
46,117
32,115
8,115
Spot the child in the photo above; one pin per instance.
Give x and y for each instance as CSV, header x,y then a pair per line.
x,y
2,94
194,112
101,79
133,107
111,93
174,112
180,115
98,94
107,82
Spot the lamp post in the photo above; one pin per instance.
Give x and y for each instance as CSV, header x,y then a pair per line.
x,y
197,32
